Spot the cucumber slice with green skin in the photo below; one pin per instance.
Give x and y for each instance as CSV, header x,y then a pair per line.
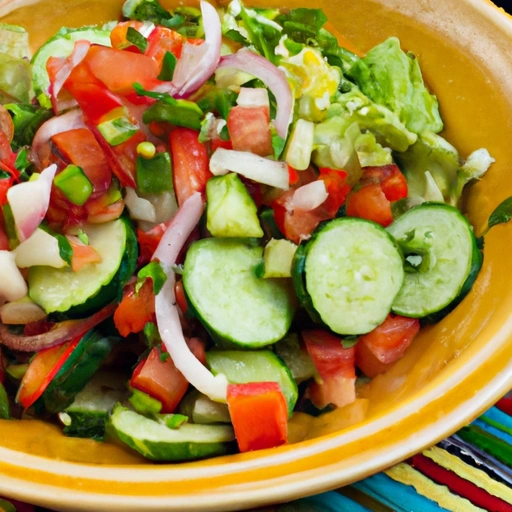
x,y
87,416
158,442
95,285
221,284
442,245
201,409
296,358
241,367
61,45
75,373
348,274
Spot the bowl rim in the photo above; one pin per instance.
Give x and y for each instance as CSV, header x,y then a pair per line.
x,y
281,488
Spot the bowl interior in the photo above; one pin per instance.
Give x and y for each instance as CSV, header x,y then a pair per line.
x,y
464,50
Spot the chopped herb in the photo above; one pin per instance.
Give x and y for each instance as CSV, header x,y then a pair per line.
x,y
168,67
137,39
155,272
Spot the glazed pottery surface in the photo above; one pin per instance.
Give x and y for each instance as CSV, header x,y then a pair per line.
x,y
451,373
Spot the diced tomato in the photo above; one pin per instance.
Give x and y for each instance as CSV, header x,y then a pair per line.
x,y
63,213
7,156
5,185
119,32
197,347
389,177
110,212
336,367
118,69
80,147
294,175
249,129
337,188
82,254
163,40
369,202
181,299
190,163
217,142
386,344
136,309
42,370
161,380
259,414
148,241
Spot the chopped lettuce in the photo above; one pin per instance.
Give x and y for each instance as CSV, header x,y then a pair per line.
x,y
27,120
378,119
15,80
14,41
435,171
370,152
393,78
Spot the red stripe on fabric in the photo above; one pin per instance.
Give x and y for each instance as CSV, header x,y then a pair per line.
x,y
468,490
505,404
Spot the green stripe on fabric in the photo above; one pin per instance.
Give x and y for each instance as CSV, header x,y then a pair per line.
x,y
487,442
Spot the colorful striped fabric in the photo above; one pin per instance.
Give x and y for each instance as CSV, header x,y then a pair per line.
x,y
470,471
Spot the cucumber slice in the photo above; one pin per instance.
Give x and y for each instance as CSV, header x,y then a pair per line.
x,y
95,285
201,409
241,367
75,373
440,242
61,45
221,284
296,358
348,275
158,442
88,414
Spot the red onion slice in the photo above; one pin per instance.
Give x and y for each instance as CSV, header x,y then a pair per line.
x,y
61,332
310,196
254,167
197,62
167,315
29,202
79,52
68,121
275,79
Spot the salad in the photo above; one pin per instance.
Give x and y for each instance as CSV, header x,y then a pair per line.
x,y
212,219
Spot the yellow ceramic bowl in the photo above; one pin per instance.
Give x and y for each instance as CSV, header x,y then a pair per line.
x,y
453,371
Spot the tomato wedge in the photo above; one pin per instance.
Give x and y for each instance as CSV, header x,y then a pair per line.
x,y
82,254
266,400
369,202
386,344
42,370
163,40
80,147
389,177
135,310
336,367
249,129
190,163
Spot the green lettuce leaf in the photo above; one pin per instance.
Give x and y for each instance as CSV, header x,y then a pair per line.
x,y
27,120
393,78
14,41
15,80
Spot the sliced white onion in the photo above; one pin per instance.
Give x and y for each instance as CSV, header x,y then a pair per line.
x,y
272,77
310,196
79,52
251,166
197,62
12,284
248,97
40,249
167,315
68,121
29,202
139,208
21,312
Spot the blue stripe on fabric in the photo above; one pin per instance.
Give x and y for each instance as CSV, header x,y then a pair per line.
x,y
397,496
504,420
493,430
332,502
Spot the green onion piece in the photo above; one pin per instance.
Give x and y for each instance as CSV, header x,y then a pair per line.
x,y
74,184
137,39
168,67
116,131
145,404
155,272
154,175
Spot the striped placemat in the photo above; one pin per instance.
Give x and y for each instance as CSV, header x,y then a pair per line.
x,y
470,471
